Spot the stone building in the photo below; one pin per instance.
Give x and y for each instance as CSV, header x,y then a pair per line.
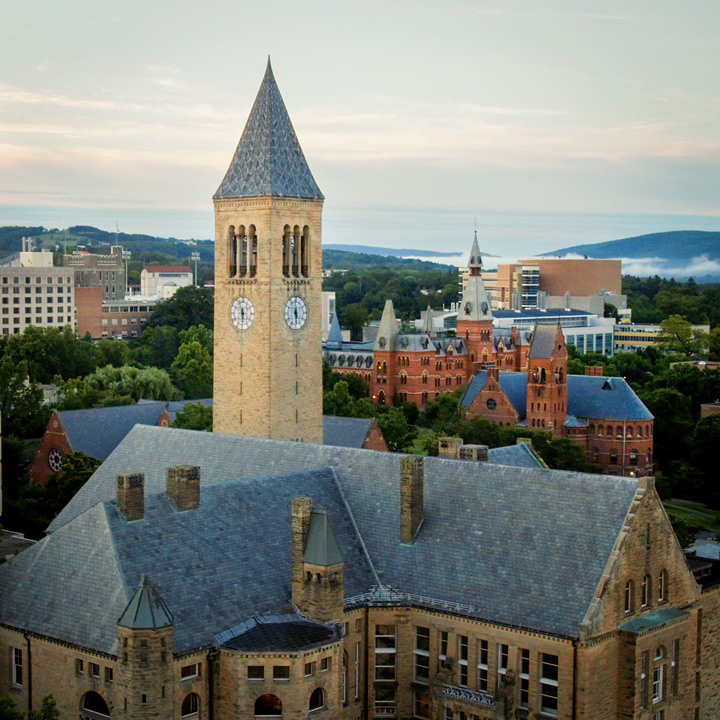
x,y
312,580
601,414
96,270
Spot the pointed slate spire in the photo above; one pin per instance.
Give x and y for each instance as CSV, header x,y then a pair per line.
x,y
334,338
268,159
321,548
475,260
388,329
428,323
146,609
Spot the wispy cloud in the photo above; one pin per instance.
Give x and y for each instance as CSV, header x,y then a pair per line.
x,y
166,76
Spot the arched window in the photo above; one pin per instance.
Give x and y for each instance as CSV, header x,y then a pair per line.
x,y
629,596
252,249
639,431
190,705
592,428
629,431
658,680
543,376
94,703
317,699
287,251
268,706
619,431
649,457
646,591
662,586
424,377
232,252
305,252
381,397
344,676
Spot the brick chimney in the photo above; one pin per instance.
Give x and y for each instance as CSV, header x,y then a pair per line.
x,y
411,496
474,452
130,495
595,370
183,486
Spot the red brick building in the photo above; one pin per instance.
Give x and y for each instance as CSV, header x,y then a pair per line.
x,y
601,414
418,367
110,318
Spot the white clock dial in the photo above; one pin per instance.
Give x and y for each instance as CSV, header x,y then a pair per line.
x,y
242,313
295,312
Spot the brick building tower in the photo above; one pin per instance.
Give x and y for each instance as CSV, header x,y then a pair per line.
x,y
475,319
268,267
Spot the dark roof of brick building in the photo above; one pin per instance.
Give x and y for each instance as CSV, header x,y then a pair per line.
x,y
268,159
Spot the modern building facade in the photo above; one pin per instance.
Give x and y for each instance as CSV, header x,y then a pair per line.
x,y
117,319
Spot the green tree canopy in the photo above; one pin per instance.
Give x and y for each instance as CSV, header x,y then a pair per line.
x,y
21,402
187,307
679,336
192,371
194,416
158,346
398,433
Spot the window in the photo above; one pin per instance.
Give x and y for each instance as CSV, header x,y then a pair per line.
x,y
357,669
325,664
385,700
442,655
524,677
662,586
629,593
646,591
190,705
463,660
483,664
189,671
549,684
317,699
344,677
281,672
657,685
17,667
358,624
502,661
268,706
644,680
109,675
79,666
309,669
256,672
421,703
422,654
94,669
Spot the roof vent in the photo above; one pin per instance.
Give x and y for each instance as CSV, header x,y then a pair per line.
x,y
607,385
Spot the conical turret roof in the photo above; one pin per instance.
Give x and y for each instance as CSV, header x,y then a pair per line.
x,y
321,548
268,159
475,303
146,609
428,322
334,337
475,259
388,329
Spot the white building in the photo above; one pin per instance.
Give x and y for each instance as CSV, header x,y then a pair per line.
x,y
162,281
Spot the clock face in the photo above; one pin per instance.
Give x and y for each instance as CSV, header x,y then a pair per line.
x,y
242,313
295,312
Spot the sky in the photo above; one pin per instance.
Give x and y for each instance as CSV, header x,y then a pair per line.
x,y
559,123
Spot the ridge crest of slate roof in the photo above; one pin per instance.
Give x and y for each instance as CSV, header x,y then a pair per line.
x,y
541,572
268,160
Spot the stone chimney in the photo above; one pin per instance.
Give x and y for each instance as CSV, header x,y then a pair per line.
x,y
448,447
302,508
479,453
130,495
183,486
411,496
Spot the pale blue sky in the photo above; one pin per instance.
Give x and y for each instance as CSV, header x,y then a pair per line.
x,y
469,108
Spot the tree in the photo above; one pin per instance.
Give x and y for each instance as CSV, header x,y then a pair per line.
x,y
398,433
610,311
705,444
194,416
673,423
110,386
192,370
21,402
112,352
338,401
679,336
201,334
354,317
48,710
714,343
158,346
189,306
8,709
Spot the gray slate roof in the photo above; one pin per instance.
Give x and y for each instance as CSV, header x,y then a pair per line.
x,y
146,609
589,397
518,544
542,344
321,548
520,455
345,431
268,159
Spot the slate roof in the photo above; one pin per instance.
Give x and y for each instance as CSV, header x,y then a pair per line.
x,y
543,341
146,609
520,455
268,159
589,397
345,431
334,338
321,548
283,634
517,544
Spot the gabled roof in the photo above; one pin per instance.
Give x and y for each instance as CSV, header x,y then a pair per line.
x,y
320,546
268,159
97,431
146,609
219,565
589,397
542,344
345,431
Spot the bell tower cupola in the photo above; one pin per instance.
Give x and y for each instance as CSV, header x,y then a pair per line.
x,y
268,282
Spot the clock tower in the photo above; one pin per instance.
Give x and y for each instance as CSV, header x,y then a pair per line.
x,y
268,282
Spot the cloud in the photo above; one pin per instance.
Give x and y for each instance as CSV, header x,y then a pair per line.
x,y
166,76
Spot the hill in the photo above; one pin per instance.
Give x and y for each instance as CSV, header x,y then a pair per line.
x,y
345,260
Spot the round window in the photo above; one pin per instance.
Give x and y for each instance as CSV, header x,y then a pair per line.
x,y
55,460
491,404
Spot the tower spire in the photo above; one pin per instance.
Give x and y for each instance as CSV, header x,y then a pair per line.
x,y
475,260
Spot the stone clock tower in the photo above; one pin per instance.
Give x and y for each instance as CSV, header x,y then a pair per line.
x,y
268,282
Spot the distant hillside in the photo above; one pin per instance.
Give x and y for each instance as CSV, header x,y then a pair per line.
x,y
344,260
680,254
387,252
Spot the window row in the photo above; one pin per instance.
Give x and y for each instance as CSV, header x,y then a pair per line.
x,y
646,592
282,672
93,670
617,430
